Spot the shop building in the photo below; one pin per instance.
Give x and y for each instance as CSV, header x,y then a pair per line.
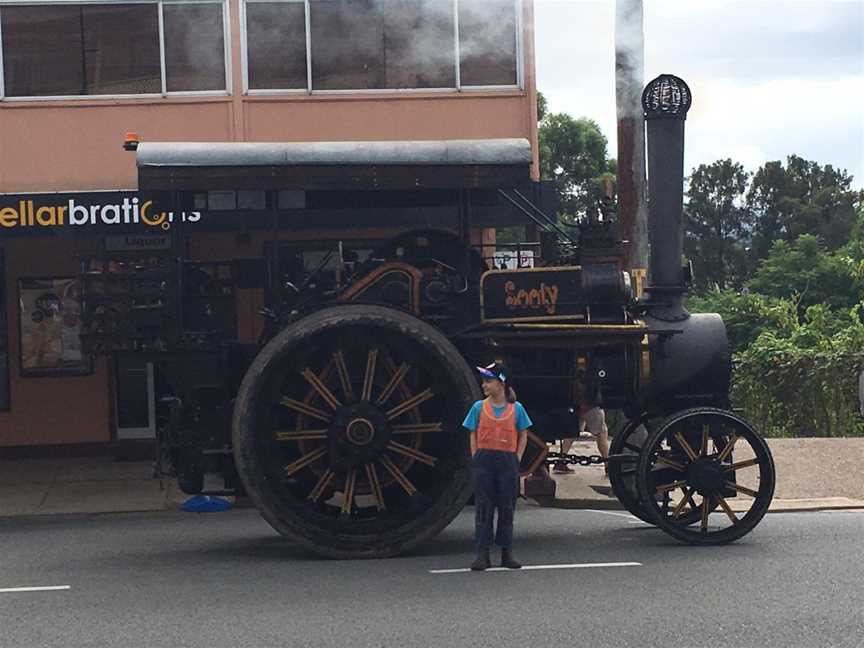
x,y
76,77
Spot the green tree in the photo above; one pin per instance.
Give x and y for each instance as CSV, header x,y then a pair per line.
x,y
717,224
573,155
802,197
806,271
542,106
803,380
746,314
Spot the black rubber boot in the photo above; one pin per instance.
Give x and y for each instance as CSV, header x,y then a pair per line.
x,y
508,561
481,562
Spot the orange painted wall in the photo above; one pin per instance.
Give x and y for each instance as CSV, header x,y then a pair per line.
x,y
50,410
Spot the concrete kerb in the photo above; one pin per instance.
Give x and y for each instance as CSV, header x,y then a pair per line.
x,y
777,506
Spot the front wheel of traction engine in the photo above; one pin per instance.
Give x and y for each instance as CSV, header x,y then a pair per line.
x,y
347,431
705,476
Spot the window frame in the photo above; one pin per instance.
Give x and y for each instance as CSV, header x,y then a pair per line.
x,y
226,53
310,90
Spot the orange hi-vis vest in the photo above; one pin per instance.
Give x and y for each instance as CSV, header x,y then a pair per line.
x,y
497,433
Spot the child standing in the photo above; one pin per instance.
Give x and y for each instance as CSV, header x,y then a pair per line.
x,y
499,431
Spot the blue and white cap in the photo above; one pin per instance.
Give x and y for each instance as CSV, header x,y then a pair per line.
x,y
496,371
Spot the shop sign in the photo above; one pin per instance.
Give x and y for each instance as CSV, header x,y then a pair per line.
x,y
37,214
136,242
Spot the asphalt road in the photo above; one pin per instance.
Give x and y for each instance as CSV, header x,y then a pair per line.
x,y
225,579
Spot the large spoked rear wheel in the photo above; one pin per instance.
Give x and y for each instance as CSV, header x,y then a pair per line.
x,y
347,431
706,476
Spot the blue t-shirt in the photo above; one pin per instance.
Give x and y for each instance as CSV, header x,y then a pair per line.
x,y
523,421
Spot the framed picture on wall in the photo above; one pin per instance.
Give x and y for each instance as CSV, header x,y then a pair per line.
x,y
50,321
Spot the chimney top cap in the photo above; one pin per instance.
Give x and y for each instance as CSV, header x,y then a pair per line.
x,y
667,96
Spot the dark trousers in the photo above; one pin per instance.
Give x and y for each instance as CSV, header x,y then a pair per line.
x,y
496,486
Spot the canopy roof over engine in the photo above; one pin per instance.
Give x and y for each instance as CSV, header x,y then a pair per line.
x,y
450,164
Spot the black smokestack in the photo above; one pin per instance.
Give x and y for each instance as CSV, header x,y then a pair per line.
x,y
665,102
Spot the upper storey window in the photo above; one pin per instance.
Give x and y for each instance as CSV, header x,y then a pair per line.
x,y
487,42
381,44
112,48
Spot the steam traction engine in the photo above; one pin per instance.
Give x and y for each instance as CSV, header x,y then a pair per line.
x,y
345,430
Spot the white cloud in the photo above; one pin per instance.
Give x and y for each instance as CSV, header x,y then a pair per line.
x,y
769,78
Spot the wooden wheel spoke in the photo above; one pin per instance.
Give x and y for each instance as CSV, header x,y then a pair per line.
x,y
742,489
394,382
344,377
304,461
706,509
665,488
741,464
686,446
322,389
348,496
728,449
322,484
703,450
671,464
417,428
324,376
375,486
301,435
726,508
305,408
688,494
402,387
691,500
410,404
398,475
369,376
413,453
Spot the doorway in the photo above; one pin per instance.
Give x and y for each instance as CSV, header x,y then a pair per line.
x,y
135,399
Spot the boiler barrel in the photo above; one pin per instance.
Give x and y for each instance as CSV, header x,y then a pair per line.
x,y
689,367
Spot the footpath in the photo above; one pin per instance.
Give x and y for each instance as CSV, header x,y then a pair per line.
x,y
812,474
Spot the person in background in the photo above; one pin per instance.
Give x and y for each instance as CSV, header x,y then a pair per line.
x,y
592,419
498,427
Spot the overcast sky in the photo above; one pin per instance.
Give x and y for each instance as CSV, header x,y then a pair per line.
x,y
769,77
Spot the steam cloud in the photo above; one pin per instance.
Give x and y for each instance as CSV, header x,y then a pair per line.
x,y
629,57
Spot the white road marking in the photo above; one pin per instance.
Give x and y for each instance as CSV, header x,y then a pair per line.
x,y
463,570
632,519
49,588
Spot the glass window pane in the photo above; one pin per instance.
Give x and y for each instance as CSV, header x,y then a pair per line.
x,y
194,47
221,200
43,54
276,45
382,44
418,43
120,59
80,50
292,199
347,45
251,199
487,42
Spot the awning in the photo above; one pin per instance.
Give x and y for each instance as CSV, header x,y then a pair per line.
x,y
199,166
